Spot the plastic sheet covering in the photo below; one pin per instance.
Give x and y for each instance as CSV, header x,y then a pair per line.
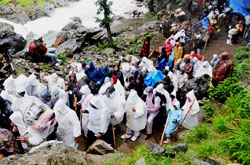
x,y
139,117
182,78
21,81
34,87
152,78
147,65
160,89
191,120
205,68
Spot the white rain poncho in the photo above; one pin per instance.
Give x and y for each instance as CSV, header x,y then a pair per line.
x,y
98,116
147,65
68,124
174,79
78,71
54,80
191,120
9,93
60,93
21,81
34,87
197,65
205,68
182,78
160,89
215,60
33,136
132,60
181,35
127,71
139,117
85,100
35,114
116,104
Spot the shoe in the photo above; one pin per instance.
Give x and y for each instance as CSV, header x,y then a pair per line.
x,y
168,141
134,138
127,136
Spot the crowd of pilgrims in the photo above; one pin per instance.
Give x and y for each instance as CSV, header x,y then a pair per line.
x,y
140,92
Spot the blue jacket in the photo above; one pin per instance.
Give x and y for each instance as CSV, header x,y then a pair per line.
x,y
94,74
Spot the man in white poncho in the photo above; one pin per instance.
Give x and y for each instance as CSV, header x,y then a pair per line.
x,y
54,80
69,128
190,111
136,115
98,119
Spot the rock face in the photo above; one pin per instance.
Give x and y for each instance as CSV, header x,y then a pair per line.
x,y
157,149
200,85
159,5
22,15
100,147
10,40
140,161
51,152
76,36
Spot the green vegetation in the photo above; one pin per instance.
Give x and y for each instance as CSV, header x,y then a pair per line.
x,y
25,3
62,57
225,136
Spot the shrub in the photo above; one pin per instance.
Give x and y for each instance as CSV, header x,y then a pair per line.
x,y
209,109
62,57
228,87
196,135
221,124
243,52
242,70
238,143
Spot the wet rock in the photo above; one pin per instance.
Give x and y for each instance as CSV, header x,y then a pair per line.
x,y
204,161
100,147
51,152
182,147
68,48
102,159
140,161
200,85
157,149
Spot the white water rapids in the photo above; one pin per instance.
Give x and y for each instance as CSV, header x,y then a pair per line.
x,y
85,9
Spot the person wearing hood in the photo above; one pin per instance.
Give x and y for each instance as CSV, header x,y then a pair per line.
x,y
58,93
215,60
84,103
78,71
105,70
94,74
153,106
73,89
29,136
9,93
223,69
5,113
174,117
178,52
45,97
118,73
34,87
137,85
188,68
197,65
53,80
137,114
98,119
69,128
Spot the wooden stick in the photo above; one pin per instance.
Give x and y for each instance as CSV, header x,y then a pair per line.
x,y
163,133
75,101
113,128
129,121
184,117
206,43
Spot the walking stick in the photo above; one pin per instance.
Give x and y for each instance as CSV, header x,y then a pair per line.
x,y
75,101
113,128
206,43
129,121
163,133
184,117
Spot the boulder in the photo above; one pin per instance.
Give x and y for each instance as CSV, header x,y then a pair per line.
x,y
200,85
182,147
100,147
51,152
157,149
204,161
140,161
10,40
76,36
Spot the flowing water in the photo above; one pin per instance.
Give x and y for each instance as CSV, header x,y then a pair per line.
x,y
85,9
